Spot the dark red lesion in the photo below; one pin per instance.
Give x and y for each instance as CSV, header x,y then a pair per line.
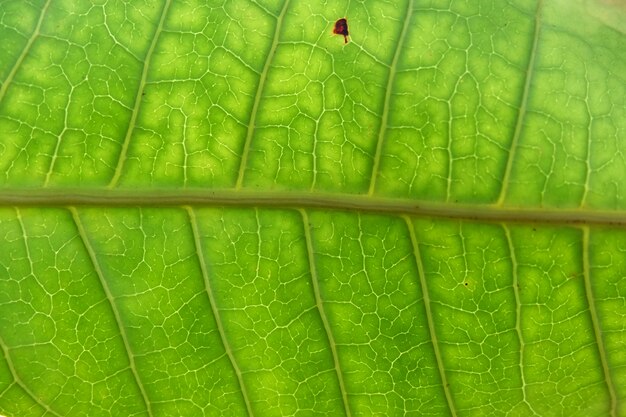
x,y
341,28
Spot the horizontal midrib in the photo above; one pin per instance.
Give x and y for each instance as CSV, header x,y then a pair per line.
x,y
294,199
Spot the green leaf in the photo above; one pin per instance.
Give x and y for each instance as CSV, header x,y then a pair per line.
x,y
219,208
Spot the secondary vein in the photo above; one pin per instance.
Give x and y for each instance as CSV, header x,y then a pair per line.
x,y
138,97
216,313
258,94
523,107
518,317
320,307
429,317
390,82
109,295
20,383
595,321
18,63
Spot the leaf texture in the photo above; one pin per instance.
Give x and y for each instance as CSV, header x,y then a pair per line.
x,y
219,208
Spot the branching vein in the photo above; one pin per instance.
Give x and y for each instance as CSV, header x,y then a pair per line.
x,y
521,114
133,118
27,47
216,313
258,95
518,318
429,317
596,324
390,82
118,319
20,383
320,307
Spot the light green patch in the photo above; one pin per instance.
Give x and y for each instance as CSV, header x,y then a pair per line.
x,y
221,208
289,366
368,278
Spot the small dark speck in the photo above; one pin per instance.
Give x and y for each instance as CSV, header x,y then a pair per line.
x,y
341,28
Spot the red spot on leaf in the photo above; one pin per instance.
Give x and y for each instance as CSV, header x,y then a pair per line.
x,y
341,28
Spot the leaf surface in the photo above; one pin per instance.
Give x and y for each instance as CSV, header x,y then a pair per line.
x,y
219,208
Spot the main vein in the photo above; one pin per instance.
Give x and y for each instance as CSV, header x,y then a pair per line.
x,y
286,199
